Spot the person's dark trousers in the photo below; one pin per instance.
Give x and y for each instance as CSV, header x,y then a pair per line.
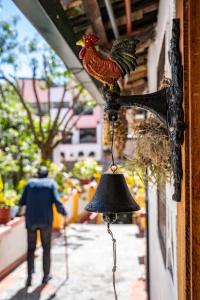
x,y
45,234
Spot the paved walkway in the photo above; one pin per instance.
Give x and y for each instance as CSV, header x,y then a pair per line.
x,y
90,265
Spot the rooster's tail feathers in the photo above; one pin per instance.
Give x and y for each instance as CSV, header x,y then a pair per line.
x,y
123,53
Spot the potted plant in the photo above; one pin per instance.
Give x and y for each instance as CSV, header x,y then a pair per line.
x,y
8,199
84,170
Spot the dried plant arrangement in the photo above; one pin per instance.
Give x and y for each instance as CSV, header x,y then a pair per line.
x,y
106,137
120,133
152,150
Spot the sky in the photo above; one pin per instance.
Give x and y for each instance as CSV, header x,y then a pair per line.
x,y
25,29
9,10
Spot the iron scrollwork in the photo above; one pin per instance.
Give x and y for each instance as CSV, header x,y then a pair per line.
x,y
175,114
166,104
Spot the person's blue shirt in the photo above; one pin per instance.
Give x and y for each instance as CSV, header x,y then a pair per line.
x,y
38,196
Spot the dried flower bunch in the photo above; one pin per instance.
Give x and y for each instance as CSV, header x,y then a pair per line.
x,y
120,132
106,131
152,150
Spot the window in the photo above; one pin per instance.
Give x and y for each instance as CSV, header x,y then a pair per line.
x,y
161,192
57,104
78,110
62,157
81,153
91,154
62,154
88,135
43,106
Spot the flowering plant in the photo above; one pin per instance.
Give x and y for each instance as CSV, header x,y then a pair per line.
x,y
86,169
8,198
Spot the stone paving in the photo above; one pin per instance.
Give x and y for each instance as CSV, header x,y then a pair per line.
x,y
89,265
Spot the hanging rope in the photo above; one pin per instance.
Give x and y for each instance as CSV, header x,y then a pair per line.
x,y
114,259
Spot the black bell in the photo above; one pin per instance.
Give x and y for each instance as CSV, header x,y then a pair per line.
x,y
112,196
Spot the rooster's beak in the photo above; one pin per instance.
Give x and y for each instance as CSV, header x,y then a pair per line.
x,y
80,43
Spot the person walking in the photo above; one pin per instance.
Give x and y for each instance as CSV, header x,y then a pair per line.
x,y
38,196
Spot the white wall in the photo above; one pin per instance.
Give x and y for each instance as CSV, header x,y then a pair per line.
x,y
71,150
13,244
162,287
164,25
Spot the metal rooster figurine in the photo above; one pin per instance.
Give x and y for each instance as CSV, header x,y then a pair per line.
x,y
166,103
108,70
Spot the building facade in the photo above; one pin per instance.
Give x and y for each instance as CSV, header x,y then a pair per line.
x,y
85,138
85,141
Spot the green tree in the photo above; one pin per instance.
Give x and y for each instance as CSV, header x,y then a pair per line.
x,y
18,152
47,130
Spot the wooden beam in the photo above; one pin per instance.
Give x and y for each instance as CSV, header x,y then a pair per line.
x,y
140,72
141,59
143,30
93,13
147,20
188,211
183,207
119,8
71,4
135,15
194,127
129,90
135,84
128,16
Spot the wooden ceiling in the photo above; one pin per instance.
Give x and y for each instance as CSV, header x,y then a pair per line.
x,y
135,18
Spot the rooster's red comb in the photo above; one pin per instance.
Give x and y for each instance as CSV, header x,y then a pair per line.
x,y
91,37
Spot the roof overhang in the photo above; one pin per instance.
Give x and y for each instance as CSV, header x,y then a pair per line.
x,y
50,22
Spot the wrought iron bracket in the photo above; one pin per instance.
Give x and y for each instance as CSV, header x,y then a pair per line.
x,y
166,104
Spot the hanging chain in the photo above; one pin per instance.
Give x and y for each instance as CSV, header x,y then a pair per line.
x,y
113,166
114,259
113,169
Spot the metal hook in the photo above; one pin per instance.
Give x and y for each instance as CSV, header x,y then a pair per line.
x,y
113,168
